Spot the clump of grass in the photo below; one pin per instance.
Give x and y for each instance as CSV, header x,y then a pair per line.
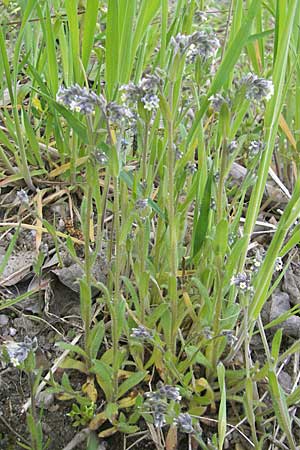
x,y
146,118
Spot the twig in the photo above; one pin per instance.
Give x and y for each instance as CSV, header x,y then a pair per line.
x,y
12,430
77,439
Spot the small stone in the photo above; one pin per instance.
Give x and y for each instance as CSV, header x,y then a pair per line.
x,y
291,284
4,319
279,305
285,381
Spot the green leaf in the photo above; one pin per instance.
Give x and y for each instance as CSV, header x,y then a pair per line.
x,y
132,381
261,35
127,14
89,29
221,238
201,227
147,12
73,348
104,376
96,338
71,10
233,258
276,342
51,54
85,302
222,417
281,409
120,313
112,48
71,363
33,142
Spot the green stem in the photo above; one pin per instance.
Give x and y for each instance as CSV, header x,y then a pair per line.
x,y
144,158
88,257
88,263
172,285
116,302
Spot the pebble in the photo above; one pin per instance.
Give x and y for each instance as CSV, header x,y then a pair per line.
x,y
12,331
280,304
4,319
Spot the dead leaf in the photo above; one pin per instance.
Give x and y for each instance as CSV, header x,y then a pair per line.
x,y
108,432
127,402
89,389
18,266
39,207
70,276
97,421
171,440
64,167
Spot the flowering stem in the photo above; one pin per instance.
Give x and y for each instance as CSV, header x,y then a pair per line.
x,y
144,157
220,189
87,257
116,297
87,254
142,225
172,285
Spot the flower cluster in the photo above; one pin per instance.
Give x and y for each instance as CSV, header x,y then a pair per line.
x,y
23,197
278,264
141,333
79,99
120,115
255,262
217,101
257,88
255,147
180,43
231,338
169,392
141,204
200,43
145,92
157,402
100,157
191,168
184,423
19,351
178,153
232,146
242,281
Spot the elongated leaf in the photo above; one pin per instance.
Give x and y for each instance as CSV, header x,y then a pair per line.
x,y
95,339
147,12
112,48
222,408
127,12
281,409
71,10
51,54
132,381
73,348
104,377
201,226
89,28
221,237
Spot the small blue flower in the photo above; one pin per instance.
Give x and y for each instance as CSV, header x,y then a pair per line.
x,y
19,351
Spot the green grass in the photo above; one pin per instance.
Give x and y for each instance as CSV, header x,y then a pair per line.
x,y
175,242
